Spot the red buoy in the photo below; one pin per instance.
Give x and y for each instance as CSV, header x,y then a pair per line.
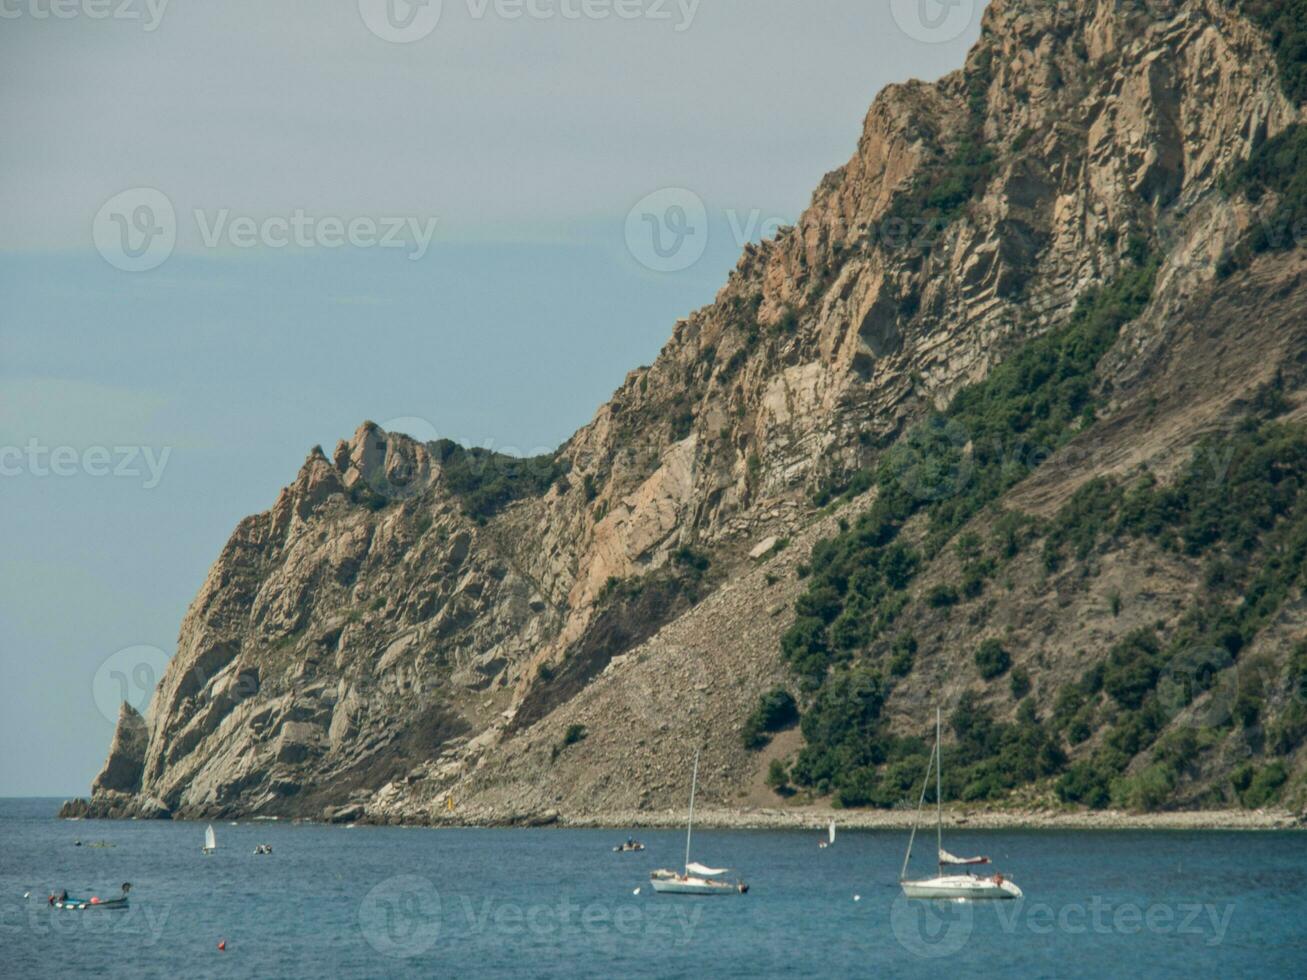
x,y
222,944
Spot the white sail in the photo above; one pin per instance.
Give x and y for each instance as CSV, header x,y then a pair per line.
x,y
210,842
946,858
695,868
832,830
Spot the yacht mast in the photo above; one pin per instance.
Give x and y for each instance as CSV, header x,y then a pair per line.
x,y
689,827
939,795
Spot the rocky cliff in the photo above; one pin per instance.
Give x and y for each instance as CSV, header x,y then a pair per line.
x,y
417,631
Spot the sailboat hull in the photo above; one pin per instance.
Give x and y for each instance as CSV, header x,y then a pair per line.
x,y
693,886
961,886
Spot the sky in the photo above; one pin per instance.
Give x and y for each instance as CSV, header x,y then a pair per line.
x,y
234,231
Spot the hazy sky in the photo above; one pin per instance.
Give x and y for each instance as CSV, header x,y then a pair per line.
x,y
234,230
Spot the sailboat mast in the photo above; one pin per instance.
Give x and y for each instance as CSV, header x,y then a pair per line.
x,y
689,827
916,817
939,795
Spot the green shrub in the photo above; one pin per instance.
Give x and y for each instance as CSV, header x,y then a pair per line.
x,y
1085,784
574,734
1150,789
778,778
942,596
902,655
1020,682
776,710
486,482
1259,787
1132,668
1286,23
992,660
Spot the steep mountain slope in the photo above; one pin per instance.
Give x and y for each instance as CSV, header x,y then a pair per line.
x,y
1056,247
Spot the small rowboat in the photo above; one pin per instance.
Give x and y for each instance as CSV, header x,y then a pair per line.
x,y
66,904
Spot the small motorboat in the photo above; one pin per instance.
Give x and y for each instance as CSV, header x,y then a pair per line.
x,y
64,903
263,849
631,844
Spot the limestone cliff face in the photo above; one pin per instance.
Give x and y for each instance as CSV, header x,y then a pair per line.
x,y
366,641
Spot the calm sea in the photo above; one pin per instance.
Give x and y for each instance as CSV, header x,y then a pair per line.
x,y
379,902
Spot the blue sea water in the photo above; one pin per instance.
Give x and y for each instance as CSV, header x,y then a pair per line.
x,y
383,902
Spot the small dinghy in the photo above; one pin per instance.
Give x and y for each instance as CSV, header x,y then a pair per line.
x,y
830,836
631,844
63,903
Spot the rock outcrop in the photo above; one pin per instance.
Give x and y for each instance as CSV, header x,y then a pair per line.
x,y
414,633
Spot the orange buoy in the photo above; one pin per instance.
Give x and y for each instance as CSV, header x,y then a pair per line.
x,y
95,900
222,944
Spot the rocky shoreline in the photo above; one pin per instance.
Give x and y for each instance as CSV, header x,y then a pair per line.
x,y
806,818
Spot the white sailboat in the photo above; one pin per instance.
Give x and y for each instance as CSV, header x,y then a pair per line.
x,y
210,841
946,885
830,838
697,879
